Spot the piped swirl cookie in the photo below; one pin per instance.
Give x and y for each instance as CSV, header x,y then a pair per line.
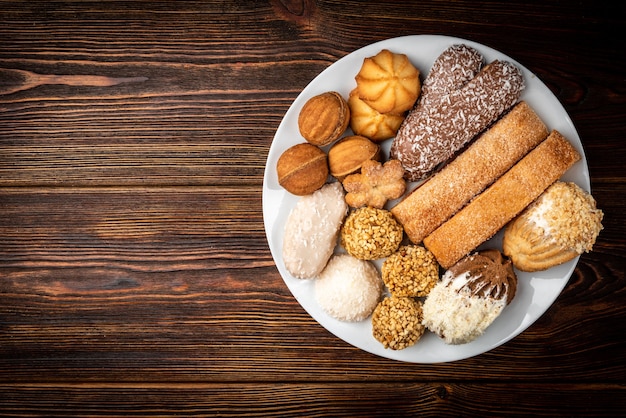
x,y
388,82
560,225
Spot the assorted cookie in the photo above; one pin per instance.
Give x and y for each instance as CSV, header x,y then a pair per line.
x,y
312,229
388,82
376,184
411,271
302,169
562,224
369,122
324,118
435,130
491,164
370,234
397,322
347,155
470,296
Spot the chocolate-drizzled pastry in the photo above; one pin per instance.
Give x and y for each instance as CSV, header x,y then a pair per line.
x,y
470,296
489,275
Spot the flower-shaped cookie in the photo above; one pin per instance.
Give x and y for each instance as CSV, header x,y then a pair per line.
x,y
388,82
375,184
370,123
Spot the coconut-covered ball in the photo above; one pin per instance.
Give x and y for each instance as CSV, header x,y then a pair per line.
x,y
348,289
369,233
397,322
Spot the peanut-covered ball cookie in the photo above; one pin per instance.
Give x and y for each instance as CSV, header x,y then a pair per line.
x,y
369,233
410,271
397,322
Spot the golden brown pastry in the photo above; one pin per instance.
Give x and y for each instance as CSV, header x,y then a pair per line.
x,y
375,184
388,82
560,225
302,169
347,155
502,201
370,123
323,118
490,156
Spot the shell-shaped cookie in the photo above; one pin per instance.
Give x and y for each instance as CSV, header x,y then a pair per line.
x,y
530,249
388,82
561,224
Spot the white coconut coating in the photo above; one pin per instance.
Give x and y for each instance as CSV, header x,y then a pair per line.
x,y
348,289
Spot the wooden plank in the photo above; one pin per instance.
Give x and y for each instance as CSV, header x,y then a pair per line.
x,y
177,284
134,142
371,399
214,326
144,226
202,99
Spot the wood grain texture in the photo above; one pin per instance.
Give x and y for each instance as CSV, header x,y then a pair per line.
x,y
281,400
135,277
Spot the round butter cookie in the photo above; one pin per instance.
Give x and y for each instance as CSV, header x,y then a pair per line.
x,y
388,82
369,122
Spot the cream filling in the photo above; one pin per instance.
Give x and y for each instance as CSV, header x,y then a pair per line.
x,y
539,216
453,314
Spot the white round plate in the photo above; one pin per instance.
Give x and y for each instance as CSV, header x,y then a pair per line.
x,y
536,291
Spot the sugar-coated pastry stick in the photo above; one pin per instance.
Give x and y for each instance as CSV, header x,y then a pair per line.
x,y
502,201
490,156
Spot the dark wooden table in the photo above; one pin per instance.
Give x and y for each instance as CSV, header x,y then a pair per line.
x,y
135,276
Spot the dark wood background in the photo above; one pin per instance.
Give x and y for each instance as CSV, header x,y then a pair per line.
x,y
135,277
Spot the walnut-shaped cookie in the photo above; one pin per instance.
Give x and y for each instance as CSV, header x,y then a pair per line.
x,y
324,118
375,184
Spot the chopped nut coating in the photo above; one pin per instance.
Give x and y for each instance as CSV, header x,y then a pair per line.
x,y
369,233
410,271
397,322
